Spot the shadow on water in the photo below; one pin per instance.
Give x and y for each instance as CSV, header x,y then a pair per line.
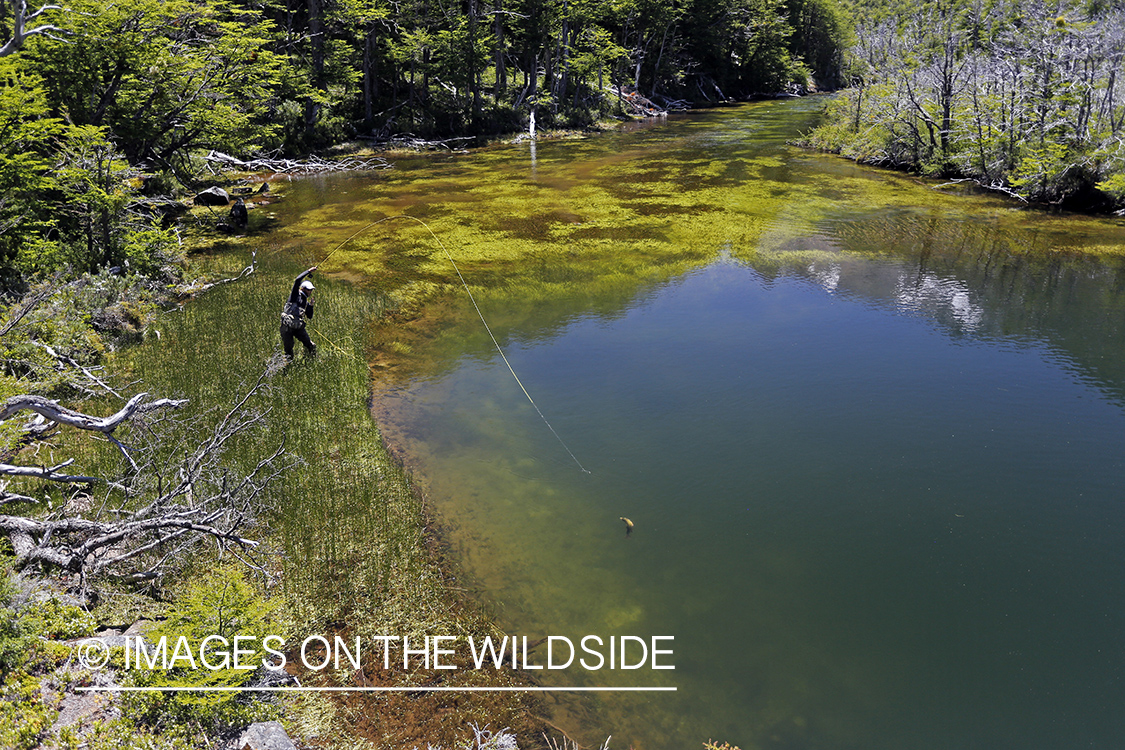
x,y
870,432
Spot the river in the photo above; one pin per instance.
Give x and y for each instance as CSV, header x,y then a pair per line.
x,y
869,430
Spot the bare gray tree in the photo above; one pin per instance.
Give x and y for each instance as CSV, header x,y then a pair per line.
x,y
20,31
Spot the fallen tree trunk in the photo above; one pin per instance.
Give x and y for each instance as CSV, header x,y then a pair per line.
x,y
171,496
636,104
53,411
87,539
311,165
414,143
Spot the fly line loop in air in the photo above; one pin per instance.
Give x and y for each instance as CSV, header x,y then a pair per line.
x,y
479,314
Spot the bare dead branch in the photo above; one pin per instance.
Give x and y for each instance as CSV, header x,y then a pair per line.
x,y
31,538
179,490
312,165
56,413
13,497
49,473
30,302
20,33
71,362
193,291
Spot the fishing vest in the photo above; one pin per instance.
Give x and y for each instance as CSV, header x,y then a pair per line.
x,y
291,317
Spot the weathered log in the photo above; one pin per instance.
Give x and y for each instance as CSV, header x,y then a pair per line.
x,y
637,104
415,143
311,165
56,413
156,509
31,538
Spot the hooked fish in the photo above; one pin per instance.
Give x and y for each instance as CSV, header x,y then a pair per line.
x,y
628,525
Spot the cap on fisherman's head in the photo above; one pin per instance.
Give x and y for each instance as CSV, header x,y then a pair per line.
x,y
307,285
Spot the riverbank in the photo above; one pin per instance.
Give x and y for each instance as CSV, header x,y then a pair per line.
x,y
355,552
347,548
942,99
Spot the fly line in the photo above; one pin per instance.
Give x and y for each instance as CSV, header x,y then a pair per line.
x,y
480,314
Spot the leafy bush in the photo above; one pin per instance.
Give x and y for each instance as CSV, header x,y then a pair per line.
x,y
24,715
53,620
220,603
14,638
29,646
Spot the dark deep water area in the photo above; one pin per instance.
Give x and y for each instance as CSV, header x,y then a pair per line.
x,y
871,434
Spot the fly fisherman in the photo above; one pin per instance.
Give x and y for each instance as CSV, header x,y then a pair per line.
x,y
297,308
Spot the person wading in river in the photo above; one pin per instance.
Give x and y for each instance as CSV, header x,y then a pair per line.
x,y
293,315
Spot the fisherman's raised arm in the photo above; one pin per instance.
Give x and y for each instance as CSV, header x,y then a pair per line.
x,y
294,295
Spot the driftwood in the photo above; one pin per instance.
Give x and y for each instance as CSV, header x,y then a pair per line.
x,y
105,425
53,412
311,165
168,498
636,104
674,105
28,537
998,187
411,142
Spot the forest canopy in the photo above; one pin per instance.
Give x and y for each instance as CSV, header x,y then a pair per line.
x,y
1023,97
103,105
305,74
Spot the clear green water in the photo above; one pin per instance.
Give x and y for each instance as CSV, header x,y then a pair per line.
x,y
871,435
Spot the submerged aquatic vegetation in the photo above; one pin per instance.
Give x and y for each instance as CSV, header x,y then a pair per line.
x,y
580,243
583,226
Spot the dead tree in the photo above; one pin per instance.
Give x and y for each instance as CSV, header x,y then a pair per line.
x,y
20,32
177,487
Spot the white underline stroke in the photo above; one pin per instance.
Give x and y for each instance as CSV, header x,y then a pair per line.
x,y
396,689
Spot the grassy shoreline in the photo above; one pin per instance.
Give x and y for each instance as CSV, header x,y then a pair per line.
x,y
357,551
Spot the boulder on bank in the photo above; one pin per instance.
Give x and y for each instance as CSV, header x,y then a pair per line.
x,y
265,735
212,196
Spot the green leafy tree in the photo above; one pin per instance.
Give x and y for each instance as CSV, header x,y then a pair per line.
x,y
761,47
219,606
26,133
821,33
166,77
96,187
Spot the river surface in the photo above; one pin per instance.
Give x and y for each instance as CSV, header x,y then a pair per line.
x,y
871,436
